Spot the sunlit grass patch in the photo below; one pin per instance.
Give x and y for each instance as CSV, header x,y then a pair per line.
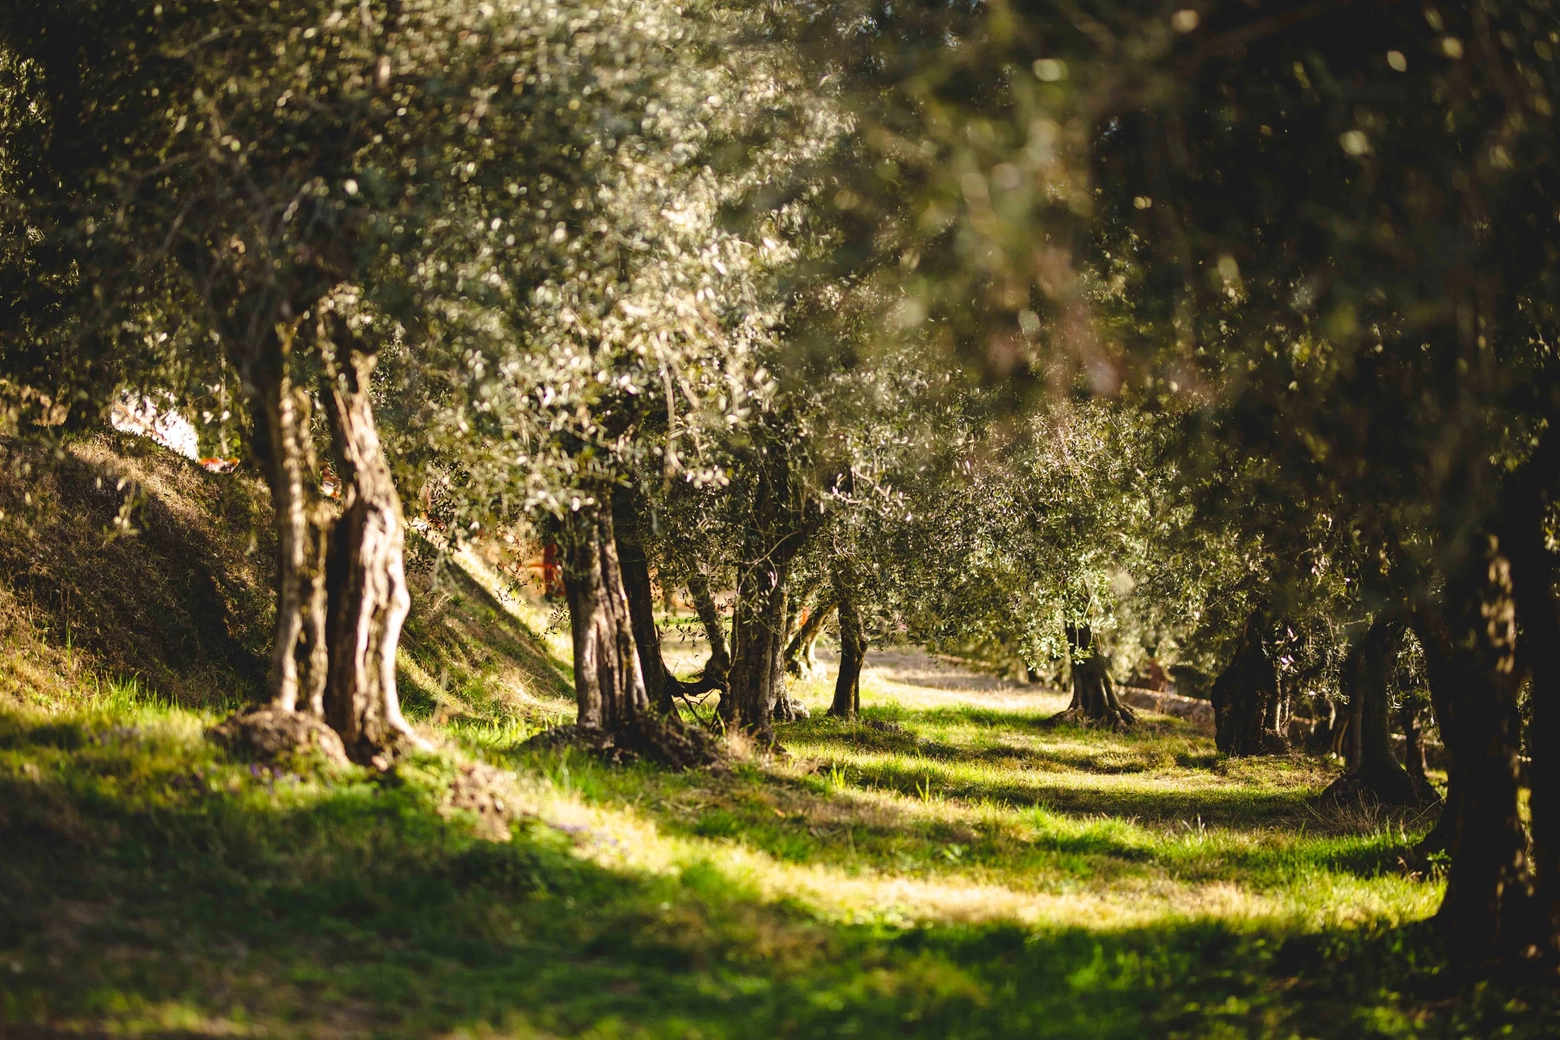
x,y
876,881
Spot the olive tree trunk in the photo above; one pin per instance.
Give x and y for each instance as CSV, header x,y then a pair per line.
x,y
1094,700
776,533
341,593
1530,497
1468,646
1245,696
1435,642
609,683
853,648
1372,772
719,663
614,710
757,631
284,448
630,522
784,708
365,575
800,653
660,684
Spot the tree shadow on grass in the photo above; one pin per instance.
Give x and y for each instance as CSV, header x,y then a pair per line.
x,y
1157,778
1159,801
149,885
841,819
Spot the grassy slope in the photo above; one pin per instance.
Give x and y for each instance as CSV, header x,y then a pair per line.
x,y
952,870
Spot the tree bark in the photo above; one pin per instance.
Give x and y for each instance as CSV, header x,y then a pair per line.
x,y
1372,771
1094,699
1327,719
366,594
629,523
1469,660
757,628
853,649
1435,643
776,533
784,708
614,708
1243,696
1529,496
341,593
285,450
635,566
609,683
800,659
719,663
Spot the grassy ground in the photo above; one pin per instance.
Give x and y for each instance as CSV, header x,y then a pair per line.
x,y
947,867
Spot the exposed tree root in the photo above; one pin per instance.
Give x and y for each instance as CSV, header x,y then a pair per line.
x,y
1119,719
788,709
664,741
270,734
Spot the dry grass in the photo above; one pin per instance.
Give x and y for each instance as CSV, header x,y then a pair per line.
x,y
119,558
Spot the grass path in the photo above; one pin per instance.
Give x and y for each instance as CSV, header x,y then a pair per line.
x,y
946,867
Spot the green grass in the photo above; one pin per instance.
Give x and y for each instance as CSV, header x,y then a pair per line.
x,y
946,868
963,873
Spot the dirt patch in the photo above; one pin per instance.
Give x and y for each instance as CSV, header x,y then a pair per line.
x,y
486,794
674,745
272,735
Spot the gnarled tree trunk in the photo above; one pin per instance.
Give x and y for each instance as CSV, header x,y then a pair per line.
x,y
609,685
853,648
609,682
1243,697
776,533
1094,699
1431,631
719,663
1373,773
365,576
1469,659
629,525
785,708
660,684
284,448
757,628
340,583
800,657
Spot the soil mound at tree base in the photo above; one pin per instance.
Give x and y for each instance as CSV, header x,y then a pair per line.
x,y
271,735
1118,720
668,743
